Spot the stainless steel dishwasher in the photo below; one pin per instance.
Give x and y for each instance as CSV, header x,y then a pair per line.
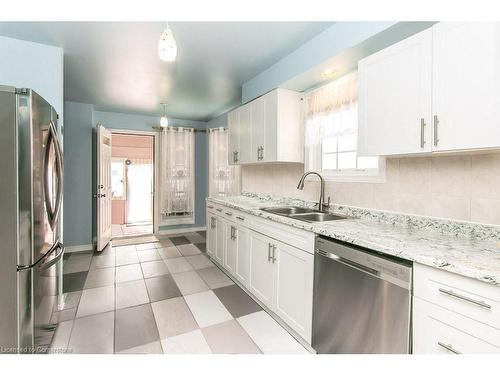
x,y
362,300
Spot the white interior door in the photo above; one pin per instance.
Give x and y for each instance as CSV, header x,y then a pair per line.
x,y
103,187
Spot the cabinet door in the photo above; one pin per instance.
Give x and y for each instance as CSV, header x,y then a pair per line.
x,y
272,107
466,81
261,281
233,124
231,248
245,133
294,287
258,109
221,243
211,234
242,255
394,98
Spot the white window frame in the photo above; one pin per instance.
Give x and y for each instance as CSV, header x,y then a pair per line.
x,y
340,175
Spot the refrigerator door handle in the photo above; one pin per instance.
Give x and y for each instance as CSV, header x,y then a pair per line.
x,y
49,263
53,212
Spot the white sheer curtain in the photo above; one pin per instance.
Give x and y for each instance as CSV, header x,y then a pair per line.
x,y
331,111
224,179
177,175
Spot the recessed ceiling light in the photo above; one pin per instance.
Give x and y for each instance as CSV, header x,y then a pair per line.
x,y
330,73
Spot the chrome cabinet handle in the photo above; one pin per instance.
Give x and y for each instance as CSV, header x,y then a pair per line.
x,y
436,122
235,156
210,206
212,222
218,209
448,347
274,253
451,293
229,213
233,233
240,218
269,247
422,132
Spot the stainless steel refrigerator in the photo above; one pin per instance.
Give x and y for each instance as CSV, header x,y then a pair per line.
x,y
31,190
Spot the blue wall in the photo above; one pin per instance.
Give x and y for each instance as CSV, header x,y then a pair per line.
x,y
334,40
78,161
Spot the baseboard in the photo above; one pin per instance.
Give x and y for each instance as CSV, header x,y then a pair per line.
x,y
77,248
180,230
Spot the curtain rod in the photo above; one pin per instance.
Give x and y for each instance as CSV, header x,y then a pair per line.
x,y
196,130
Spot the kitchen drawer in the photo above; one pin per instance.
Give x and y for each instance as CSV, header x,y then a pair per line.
x,y
437,330
473,298
296,237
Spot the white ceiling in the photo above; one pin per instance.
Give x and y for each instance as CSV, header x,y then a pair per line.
x,y
115,65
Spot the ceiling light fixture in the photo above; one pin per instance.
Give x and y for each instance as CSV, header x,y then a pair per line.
x,y
167,47
164,119
330,73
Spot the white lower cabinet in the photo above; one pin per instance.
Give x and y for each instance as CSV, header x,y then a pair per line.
x,y
242,267
439,331
230,247
261,280
294,287
220,242
211,233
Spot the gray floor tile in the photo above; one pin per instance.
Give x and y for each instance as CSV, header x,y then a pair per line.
x,y
178,265
100,277
148,255
73,282
61,338
179,240
188,249
202,246
195,237
214,277
164,242
189,282
150,348
162,287
169,252
128,273
202,233
129,334
199,261
63,315
93,334
128,257
229,338
103,261
236,300
131,293
153,269
77,263
173,317
96,300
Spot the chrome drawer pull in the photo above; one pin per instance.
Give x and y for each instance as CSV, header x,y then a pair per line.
x,y
229,213
210,206
240,218
451,293
269,247
448,347
218,209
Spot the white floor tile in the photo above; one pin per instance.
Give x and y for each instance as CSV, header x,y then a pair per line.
x,y
128,273
177,265
199,261
269,335
131,293
93,334
96,300
207,309
188,343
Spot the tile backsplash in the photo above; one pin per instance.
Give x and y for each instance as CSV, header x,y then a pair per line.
x,y
453,187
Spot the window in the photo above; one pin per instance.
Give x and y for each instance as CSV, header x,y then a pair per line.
x,y
332,134
118,178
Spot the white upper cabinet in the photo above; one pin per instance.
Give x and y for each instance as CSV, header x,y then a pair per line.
x,y
394,98
436,91
466,85
268,129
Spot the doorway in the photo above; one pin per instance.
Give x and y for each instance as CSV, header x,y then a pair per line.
x,y
132,183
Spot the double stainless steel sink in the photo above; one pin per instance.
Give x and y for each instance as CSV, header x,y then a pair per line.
x,y
303,213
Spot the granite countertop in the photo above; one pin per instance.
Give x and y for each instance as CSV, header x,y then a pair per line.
x,y
467,249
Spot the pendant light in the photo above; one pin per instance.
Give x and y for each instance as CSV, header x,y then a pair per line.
x,y
164,119
167,47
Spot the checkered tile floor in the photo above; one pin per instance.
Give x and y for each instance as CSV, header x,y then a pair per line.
x,y
160,297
